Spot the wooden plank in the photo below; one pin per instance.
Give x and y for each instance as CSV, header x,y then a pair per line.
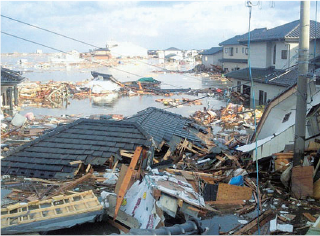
x,y
31,212
123,171
235,159
126,153
252,226
302,181
226,202
166,156
309,217
118,226
233,192
73,184
316,189
247,209
236,202
126,180
313,146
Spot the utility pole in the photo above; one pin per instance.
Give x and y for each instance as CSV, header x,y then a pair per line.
x,y
301,107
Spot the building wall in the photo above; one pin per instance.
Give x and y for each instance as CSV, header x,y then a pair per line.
x,y
258,55
232,65
311,48
239,52
209,60
269,54
262,54
271,90
178,53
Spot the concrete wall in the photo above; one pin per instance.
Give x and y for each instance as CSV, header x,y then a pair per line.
x,y
209,60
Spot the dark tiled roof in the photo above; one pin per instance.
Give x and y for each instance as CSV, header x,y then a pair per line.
x,y
287,31
283,78
10,77
172,49
163,125
211,51
236,39
234,60
231,41
90,141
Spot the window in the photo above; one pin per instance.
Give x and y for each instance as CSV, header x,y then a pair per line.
x,y
226,50
231,52
239,86
236,50
274,54
284,54
242,50
206,58
262,97
246,51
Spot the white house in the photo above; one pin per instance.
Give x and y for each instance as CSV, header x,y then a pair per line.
x,y
173,52
70,57
126,49
272,56
211,57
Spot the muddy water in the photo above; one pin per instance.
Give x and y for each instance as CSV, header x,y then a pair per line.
x,y
125,71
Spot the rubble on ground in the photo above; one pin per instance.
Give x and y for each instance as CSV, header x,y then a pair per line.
x,y
161,169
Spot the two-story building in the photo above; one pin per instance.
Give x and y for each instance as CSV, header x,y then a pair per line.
x,y
173,53
235,51
273,54
211,57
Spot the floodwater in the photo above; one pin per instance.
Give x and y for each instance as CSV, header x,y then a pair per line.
x,y
125,71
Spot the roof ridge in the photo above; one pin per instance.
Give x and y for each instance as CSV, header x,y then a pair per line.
x,y
292,30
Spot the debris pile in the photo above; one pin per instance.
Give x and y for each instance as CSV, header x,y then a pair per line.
x,y
176,102
153,170
51,94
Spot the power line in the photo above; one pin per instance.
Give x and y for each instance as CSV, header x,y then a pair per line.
x,y
76,40
50,31
55,49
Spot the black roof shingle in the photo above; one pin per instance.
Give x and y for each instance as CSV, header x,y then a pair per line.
x,y
162,125
48,161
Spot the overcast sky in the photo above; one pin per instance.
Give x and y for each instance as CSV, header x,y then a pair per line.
x,y
150,24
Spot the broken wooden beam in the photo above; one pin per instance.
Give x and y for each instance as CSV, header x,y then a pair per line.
x,y
126,180
252,226
72,184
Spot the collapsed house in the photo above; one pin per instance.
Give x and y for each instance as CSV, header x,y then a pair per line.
x,y
173,133
86,146
9,90
67,150
276,128
64,151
